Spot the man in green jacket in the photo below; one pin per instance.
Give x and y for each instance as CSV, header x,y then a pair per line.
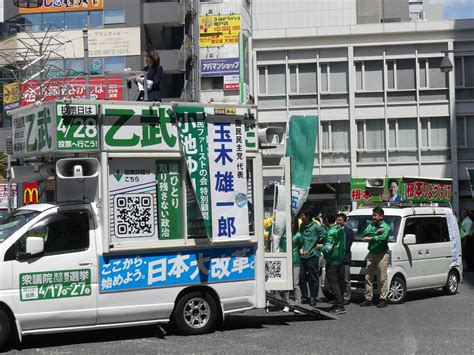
x,y
311,233
334,250
377,233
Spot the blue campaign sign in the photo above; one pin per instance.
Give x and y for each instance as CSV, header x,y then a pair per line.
x,y
127,272
220,67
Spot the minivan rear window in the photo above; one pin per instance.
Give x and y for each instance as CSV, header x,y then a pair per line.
x,y
358,224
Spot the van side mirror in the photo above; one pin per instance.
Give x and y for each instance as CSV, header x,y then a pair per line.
x,y
34,246
409,239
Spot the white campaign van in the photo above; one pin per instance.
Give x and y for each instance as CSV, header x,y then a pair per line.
x,y
158,217
424,251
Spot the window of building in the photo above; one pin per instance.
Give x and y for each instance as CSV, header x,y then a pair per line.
x,y
114,63
214,83
370,141
303,78
369,75
75,66
335,142
53,21
430,74
76,20
402,139
33,22
464,71
334,77
96,19
465,127
435,142
401,74
114,16
272,80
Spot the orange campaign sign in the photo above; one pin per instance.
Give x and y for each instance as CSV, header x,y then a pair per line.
x,y
64,5
30,193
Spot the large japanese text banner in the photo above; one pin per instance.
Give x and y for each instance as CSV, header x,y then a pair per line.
x,y
119,273
228,169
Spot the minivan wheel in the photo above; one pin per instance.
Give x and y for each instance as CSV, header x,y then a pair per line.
x,y
452,284
397,291
195,313
4,328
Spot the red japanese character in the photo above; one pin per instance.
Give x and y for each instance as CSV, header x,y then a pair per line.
x,y
367,195
356,195
410,190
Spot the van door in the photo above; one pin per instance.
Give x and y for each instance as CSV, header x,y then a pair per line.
x,y
58,288
436,249
414,264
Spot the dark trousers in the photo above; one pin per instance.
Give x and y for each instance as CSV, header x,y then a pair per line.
x,y
309,273
335,277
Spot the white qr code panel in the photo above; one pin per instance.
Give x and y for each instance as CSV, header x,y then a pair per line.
x,y
275,269
134,215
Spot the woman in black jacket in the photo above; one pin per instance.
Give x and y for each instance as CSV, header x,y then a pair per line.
x,y
154,76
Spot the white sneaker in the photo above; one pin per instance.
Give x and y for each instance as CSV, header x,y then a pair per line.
x,y
297,312
286,309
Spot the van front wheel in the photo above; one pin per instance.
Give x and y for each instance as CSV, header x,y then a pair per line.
x,y
452,284
4,328
397,291
195,313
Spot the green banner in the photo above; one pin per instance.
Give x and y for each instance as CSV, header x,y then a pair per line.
x,y
170,196
400,189
301,148
38,286
193,138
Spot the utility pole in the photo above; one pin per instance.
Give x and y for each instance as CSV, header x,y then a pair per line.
x,y
85,38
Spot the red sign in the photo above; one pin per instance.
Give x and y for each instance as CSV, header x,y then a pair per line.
x,y
30,193
32,92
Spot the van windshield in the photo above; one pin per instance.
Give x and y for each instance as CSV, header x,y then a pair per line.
x,y
358,224
10,223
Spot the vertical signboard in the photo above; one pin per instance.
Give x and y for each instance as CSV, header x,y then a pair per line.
x,y
244,68
228,178
170,197
192,135
33,132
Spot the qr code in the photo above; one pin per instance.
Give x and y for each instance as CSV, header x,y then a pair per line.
x,y
134,215
272,269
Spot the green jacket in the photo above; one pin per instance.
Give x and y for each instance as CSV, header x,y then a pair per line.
x,y
296,248
334,247
311,233
379,242
466,227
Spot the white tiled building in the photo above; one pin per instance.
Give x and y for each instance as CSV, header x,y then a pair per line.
x,y
385,107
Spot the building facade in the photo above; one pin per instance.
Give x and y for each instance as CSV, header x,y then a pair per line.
x,y
119,33
385,107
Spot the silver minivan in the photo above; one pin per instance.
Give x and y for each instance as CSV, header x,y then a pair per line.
x,y
425,250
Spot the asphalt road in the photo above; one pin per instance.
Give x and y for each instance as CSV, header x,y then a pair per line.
x,y
427,323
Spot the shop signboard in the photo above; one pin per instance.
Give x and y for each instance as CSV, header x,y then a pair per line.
x,y
220,67
219,30
64,6
32,90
